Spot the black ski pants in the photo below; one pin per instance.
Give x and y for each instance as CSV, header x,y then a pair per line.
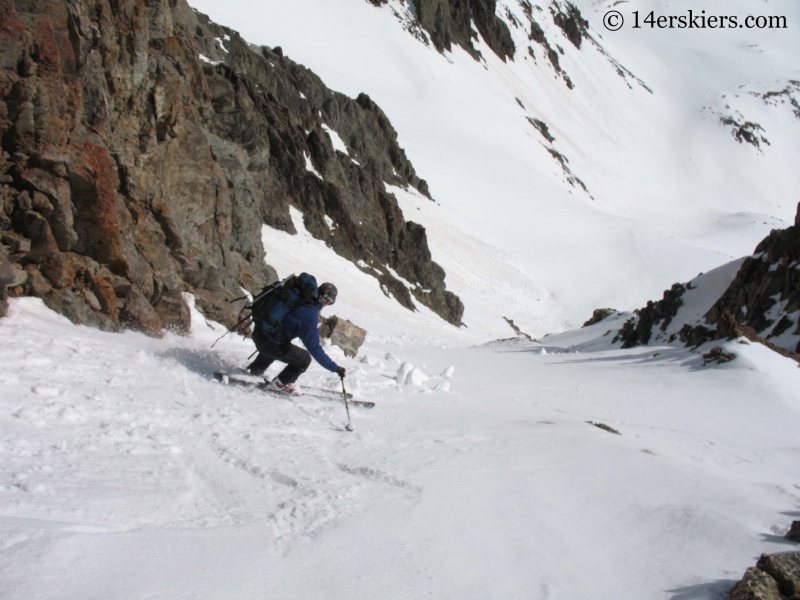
x,y
297,360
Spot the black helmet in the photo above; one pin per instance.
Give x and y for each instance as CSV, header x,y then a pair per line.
x,y
327,293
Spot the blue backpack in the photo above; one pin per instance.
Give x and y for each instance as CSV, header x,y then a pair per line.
x,y
276,300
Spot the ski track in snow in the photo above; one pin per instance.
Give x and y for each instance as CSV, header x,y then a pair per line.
x,y
127,472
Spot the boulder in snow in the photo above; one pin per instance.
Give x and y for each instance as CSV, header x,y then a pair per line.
x,y
794,532
448,372
717,355
784,569
343,333
773,578
755,585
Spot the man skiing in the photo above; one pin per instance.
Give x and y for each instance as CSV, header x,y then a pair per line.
x,y
301,321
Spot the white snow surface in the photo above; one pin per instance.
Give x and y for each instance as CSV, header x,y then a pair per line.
x,y
127,472
310,166
336,140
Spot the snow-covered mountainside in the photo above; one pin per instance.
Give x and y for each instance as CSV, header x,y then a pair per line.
x,y
126,471
670,189
557,168
757,297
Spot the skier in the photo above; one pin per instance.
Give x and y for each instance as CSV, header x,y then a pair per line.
x,y
302,322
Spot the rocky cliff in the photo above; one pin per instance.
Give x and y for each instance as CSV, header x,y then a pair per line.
x,y
143,148
766,292
450,22
540,28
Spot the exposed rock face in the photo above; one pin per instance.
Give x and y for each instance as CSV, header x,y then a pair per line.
x,y
775,577
768,278
762,303
571,22
604,427
784,569
343,333
717,355
517,330
450,22
794,532
598,315
638,330
134,169
747,132
7,276
755,585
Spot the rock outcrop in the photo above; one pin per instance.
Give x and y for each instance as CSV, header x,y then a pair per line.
x,y
767,280
454,22
794,532
7,276
571,22
343,333
599,314
143,148
775,577
637,330
449,22
762,303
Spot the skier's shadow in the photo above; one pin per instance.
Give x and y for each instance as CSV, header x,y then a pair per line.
x,y
200,362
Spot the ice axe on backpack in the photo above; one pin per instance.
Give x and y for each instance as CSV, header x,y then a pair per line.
x,y
272,303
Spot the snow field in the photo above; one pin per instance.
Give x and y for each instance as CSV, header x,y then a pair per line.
x,y
127,472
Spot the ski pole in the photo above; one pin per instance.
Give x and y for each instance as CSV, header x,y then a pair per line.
x,y
239,325
223,335
349,425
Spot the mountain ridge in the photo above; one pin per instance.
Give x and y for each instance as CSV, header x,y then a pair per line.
x,y
761,302
141,156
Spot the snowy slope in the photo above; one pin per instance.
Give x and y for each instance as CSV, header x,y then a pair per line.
x,y
127,472
686,307
700,295
670,191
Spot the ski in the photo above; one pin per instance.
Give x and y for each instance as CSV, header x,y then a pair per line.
x,y
255,381
319,393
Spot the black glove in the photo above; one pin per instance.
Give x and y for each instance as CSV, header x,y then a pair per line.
x,y
340,372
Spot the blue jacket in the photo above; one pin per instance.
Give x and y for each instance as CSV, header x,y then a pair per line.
x,y
302,322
